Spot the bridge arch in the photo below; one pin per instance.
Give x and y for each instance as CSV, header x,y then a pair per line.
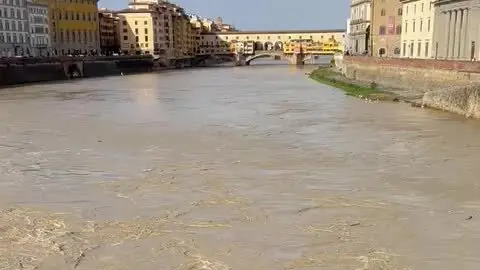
x,y
259,46
268,46
264,55
278,46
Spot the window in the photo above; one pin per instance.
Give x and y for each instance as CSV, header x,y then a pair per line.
x,y
136,22
146,38
400,12
125,30
398,30
125,37
413,27
404,49
381,30
382,12
136,39
423,4
428,26
421,25
426,49
146,31
419,48
411,49
406,26
136,31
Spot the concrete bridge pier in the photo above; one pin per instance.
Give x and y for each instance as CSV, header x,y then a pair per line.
x,y
241,60
299,59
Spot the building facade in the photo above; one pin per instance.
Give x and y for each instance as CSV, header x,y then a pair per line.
x,y
386,28
417,31
73,26
221,42
108,27
457,29
139,31
359,27
14,30
40,41
159,28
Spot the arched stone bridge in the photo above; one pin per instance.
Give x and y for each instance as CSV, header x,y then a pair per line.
x,y
293,59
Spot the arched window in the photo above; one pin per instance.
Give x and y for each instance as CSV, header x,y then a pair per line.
x,y
381,30
398,30
382,12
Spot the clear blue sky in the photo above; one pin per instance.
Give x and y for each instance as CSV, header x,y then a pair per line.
x,y
265,14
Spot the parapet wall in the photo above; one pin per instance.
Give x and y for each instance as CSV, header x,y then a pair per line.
x,y
411,74
30,70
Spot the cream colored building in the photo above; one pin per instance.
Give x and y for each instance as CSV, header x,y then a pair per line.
x,y
418,24
159,28
457,34
14,31
138,31
40,40
359,26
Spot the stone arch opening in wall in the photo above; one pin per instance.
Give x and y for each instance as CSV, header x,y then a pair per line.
x,y
268,46
278,46
381,51
73,71
258,46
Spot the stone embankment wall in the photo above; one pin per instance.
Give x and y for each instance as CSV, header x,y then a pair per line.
x,y
421,75
30,70
443,84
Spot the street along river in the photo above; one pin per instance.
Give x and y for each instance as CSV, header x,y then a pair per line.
x,y
232,168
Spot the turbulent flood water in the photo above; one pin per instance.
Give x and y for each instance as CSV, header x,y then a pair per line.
x,y
232,168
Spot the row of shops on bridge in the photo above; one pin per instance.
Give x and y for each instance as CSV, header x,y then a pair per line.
x,y
306,46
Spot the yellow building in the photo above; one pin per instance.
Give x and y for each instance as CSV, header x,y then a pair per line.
x,y
327,47
185,33
137,32
74,26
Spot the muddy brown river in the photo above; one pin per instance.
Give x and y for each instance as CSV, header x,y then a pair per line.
x,y
232,168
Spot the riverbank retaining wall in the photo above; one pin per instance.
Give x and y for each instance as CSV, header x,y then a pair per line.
x,y
447,85
21,71
419,74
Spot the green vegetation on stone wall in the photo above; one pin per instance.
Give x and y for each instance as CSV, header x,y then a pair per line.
x,y
330,77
